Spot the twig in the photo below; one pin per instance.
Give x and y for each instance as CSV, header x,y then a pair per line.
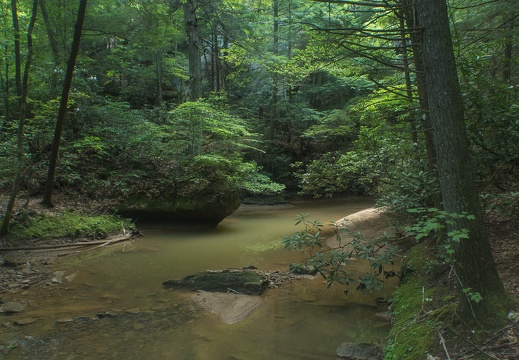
x,y
442,341
57,246
234,291
498,333
497,347
479,349
466,295
104,244
423,299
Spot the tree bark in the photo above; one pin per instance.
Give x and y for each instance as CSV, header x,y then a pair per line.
x,y
474,266
411,19
4,229
508,49
159,71
51,35
5,92
275,77
49,184
407,76
53,42
17,51
193,46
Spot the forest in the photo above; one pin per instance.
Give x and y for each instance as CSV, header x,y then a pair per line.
x,y
183,109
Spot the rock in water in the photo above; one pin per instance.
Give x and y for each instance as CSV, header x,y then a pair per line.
x,y
238,282
354,351
12,307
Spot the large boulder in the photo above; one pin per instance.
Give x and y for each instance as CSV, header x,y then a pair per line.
x,y
192,203
239,282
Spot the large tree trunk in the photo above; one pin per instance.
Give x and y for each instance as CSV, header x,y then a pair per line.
x,y
49,184
4,229
475,267
411,19
193,49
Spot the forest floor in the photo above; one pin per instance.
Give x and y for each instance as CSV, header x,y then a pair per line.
x,y
502,344
504,234
30,268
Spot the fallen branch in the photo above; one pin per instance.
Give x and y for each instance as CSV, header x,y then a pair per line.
x,y
77,244
442,341
497,347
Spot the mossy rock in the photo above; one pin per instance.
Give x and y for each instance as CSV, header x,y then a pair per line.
x,y
420,307
243,282
66,225
205,204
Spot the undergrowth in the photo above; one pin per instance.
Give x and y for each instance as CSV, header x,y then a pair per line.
x,y
421,310
67,225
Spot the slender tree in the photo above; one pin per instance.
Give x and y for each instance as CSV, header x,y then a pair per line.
x,y
4,77
49,184
475,266
22,85
193,49
275,78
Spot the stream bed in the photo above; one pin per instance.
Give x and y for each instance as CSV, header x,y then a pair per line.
x,y
114,306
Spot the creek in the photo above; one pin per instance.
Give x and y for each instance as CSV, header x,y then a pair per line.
x,y
115,307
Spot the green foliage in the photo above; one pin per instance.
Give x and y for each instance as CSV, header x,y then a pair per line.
x,y
333,173
433,222
411,188
204,126
65,225
253,181
505,204
473,296
111,150
7,149
375,155
331,262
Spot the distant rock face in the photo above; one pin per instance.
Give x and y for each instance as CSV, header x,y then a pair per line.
x,y
205,203
354,351
238,282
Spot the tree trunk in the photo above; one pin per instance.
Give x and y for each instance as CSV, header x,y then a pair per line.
x,y
193,49
411,18
49,184
475,267
508,48
4,229
53,42
407,75
51,35
17,51
5,92
275,78
159,70
222,62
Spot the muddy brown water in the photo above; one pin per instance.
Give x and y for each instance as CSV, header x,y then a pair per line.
x,y
116,308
